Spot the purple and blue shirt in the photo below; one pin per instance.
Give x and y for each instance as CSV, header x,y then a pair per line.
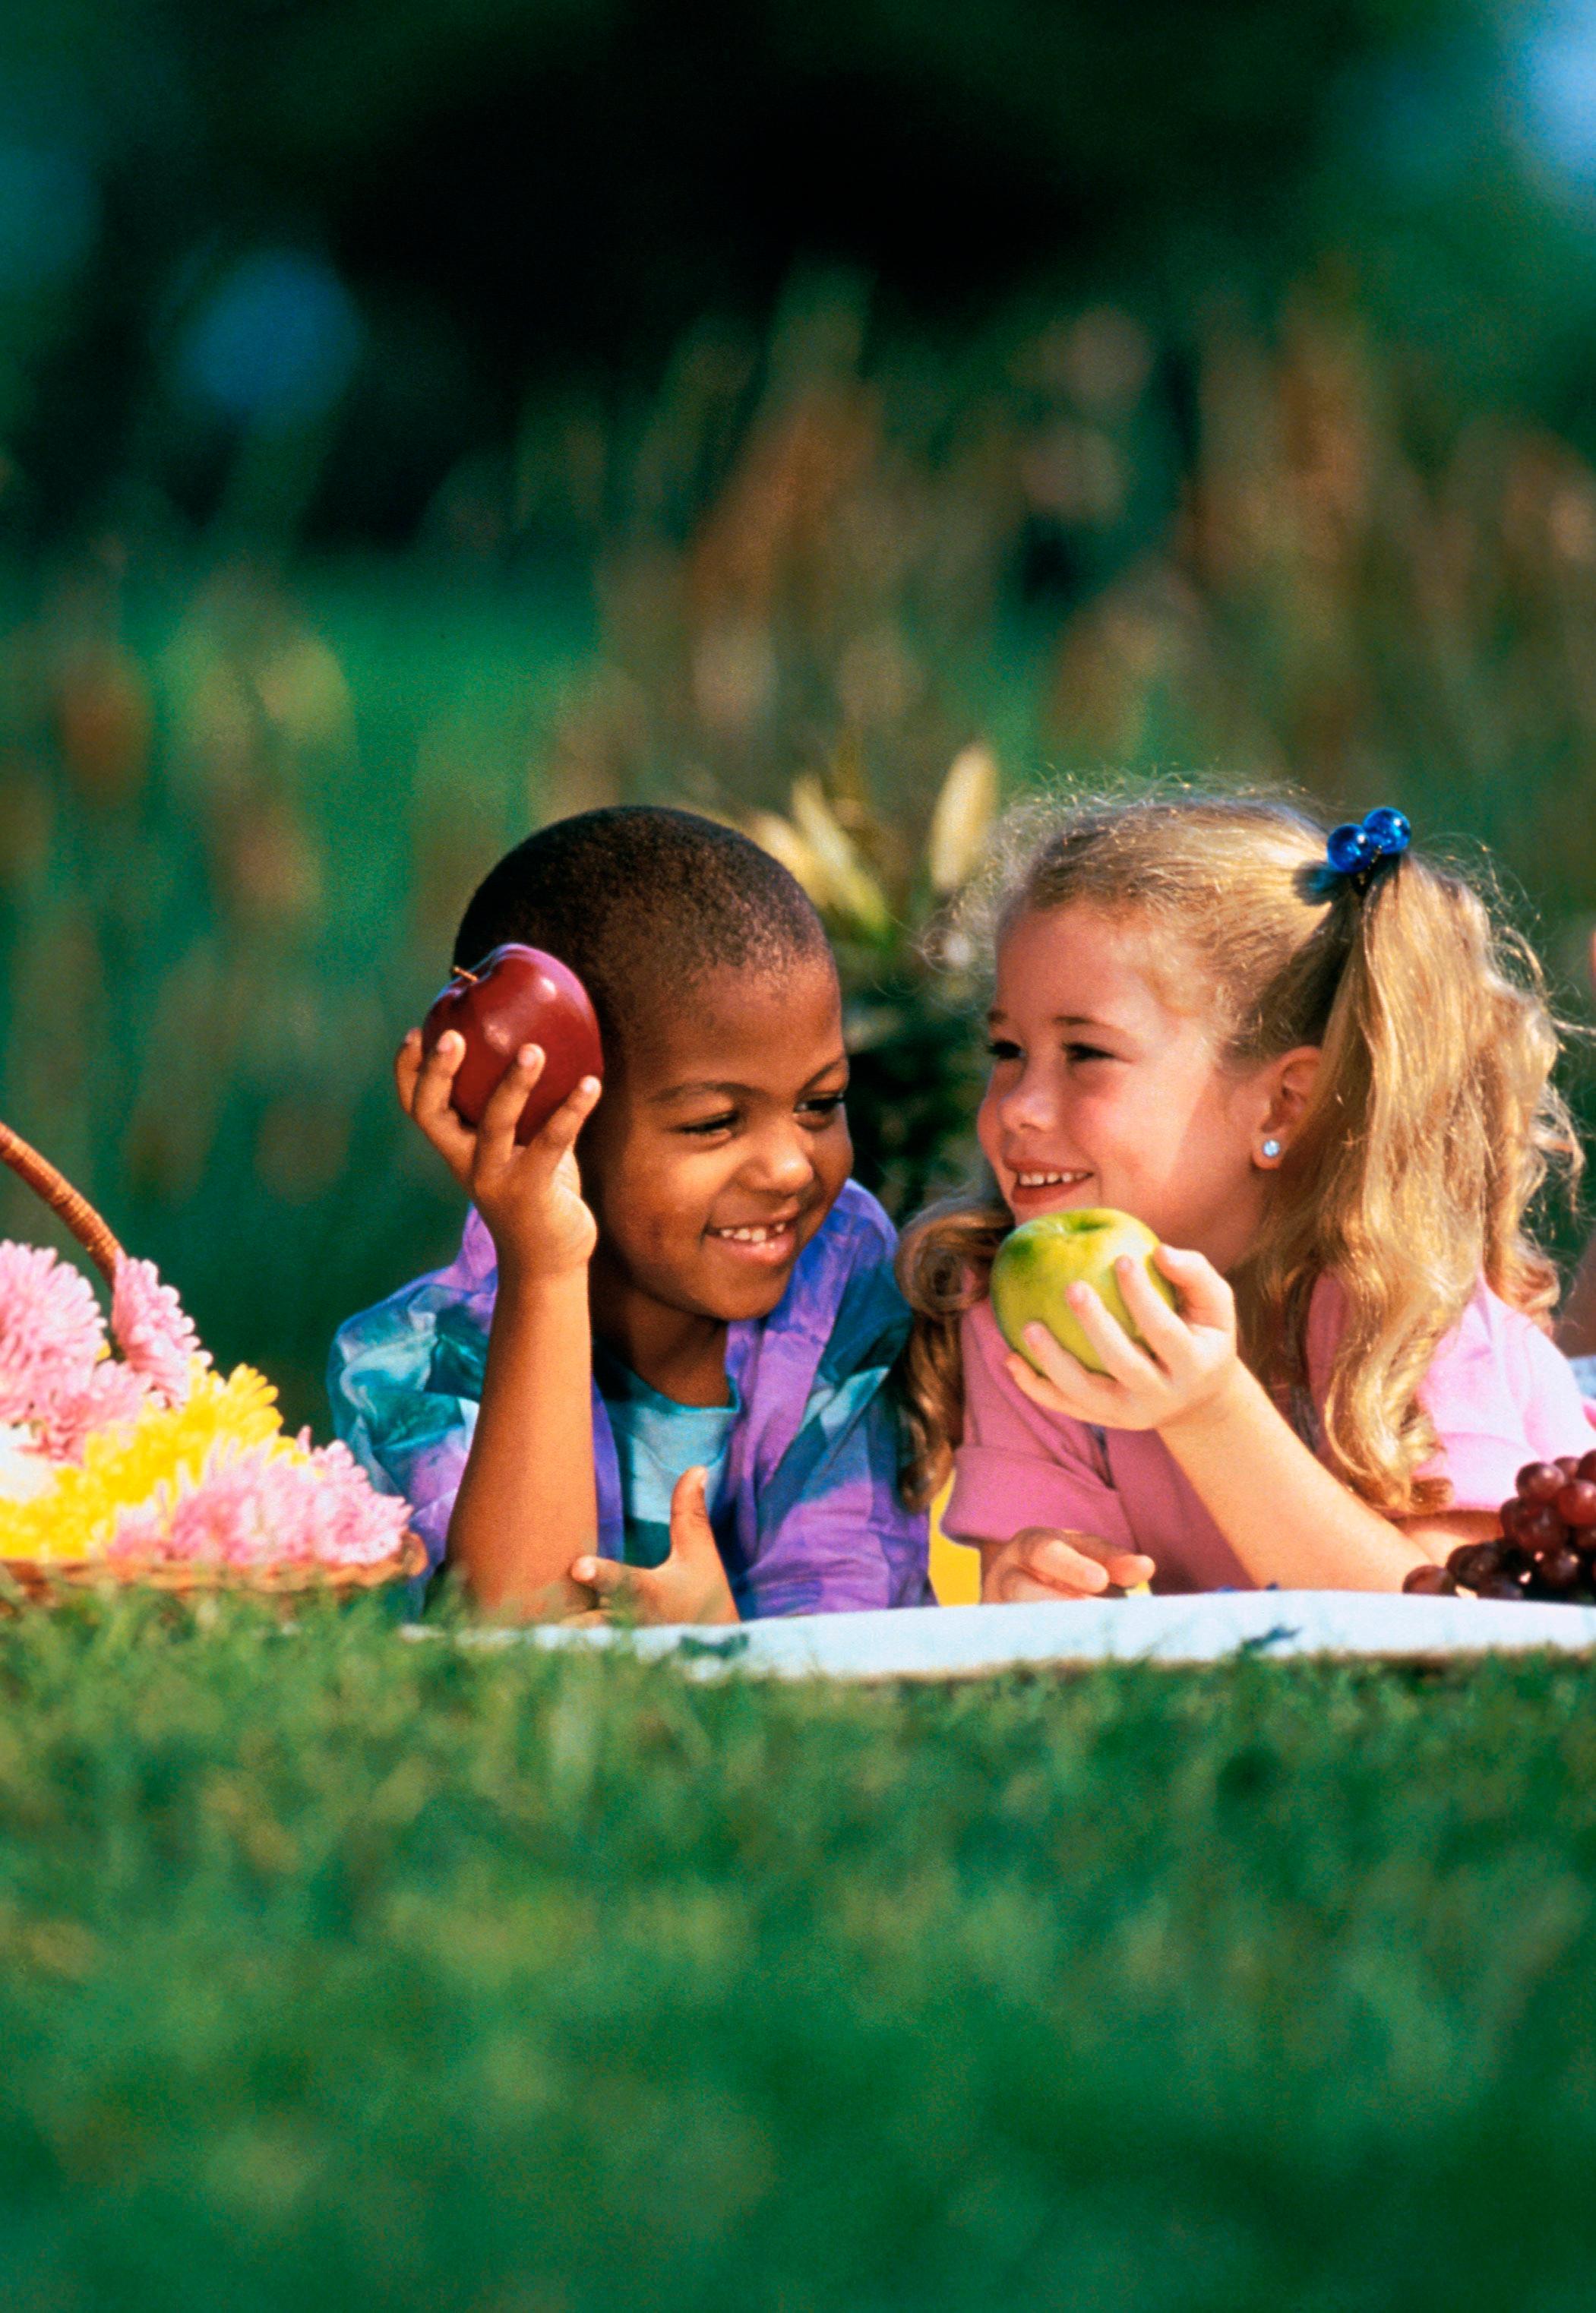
x,y
804,1496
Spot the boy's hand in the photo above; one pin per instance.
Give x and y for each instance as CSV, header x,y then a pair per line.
x,y
691,1586
529,1196
1041,1563
1181,1367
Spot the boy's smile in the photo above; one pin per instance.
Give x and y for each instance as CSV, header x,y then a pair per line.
x,y
717,1151
768,1243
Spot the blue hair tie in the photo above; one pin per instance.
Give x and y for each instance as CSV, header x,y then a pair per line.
x,y
1356,847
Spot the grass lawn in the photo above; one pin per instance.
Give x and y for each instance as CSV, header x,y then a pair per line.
x,y
339,1971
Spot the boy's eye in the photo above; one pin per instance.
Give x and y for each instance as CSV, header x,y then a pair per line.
x,y
1086,1053
999,1047
702,1126
823,1106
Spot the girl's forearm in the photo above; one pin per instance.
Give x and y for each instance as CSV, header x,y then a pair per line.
x,y
527,1504
1288,1518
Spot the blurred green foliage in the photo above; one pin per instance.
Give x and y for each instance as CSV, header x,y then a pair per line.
x,y
371,231
417,421
343,1973
236,844
244,802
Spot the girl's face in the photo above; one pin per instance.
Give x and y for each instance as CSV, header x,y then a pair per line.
x,y
1102,1093
719,1148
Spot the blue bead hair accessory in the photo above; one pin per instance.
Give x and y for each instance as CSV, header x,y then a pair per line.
x,y
1357,846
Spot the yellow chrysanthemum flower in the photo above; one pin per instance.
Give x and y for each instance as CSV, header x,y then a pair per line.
x,y
166,1449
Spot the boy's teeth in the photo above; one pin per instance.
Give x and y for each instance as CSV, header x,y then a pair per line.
x,y
1046,1180
754,1235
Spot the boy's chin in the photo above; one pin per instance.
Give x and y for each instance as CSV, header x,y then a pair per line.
x,y
749,1297
737,1288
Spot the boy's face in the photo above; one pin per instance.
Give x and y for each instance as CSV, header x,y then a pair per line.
x,y
722,1144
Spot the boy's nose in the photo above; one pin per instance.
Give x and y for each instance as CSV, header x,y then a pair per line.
x,y
783,1162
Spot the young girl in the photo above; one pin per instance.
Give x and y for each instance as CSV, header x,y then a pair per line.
x,y
1316,1073
659,1382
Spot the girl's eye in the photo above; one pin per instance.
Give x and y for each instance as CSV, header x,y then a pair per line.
x,y
999,1047
1086,1053
703,1127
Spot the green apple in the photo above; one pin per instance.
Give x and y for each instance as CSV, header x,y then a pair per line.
x,y
1037,1263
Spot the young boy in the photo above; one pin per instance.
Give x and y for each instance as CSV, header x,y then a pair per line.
x,y
659,1383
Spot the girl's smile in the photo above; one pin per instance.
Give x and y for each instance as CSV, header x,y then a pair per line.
x,y
1034,1184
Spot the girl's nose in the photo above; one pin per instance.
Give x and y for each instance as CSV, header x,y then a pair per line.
x,y
1027,1105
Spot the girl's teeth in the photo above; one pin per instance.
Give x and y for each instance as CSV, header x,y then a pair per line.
x,y
1046,1180
752,1235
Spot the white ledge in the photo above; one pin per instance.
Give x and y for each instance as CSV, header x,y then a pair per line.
x,y
941,1642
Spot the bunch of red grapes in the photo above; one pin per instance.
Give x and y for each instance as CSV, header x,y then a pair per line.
x,y
1548,1548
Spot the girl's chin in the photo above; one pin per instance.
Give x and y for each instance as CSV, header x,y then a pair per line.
x,y
1027,1204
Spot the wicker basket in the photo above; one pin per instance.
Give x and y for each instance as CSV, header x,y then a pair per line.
x,y
43,1581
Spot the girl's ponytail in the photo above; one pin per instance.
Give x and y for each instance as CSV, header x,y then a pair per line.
x,y
1431,1127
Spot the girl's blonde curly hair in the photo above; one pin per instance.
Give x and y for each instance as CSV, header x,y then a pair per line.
x,y
1431,1124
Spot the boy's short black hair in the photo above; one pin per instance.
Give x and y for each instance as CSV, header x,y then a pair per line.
x,y
642,900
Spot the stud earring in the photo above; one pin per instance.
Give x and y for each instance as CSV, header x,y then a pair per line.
x,y
1271,1149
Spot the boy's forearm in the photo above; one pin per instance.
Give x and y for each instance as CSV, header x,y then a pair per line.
x,y
527,1504
1288,1518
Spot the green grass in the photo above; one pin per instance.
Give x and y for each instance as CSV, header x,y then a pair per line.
x,y
339,1971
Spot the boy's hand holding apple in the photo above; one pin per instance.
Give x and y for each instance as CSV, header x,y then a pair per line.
x,y
501,1077
529,1194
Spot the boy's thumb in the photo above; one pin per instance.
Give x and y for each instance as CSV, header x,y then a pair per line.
x,y
692,1534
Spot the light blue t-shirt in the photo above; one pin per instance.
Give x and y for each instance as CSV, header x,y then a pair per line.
x,y
655,1439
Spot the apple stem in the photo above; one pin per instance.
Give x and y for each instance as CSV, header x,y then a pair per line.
x,y
459,971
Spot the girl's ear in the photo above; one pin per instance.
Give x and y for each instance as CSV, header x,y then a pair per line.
x,y
1287,1087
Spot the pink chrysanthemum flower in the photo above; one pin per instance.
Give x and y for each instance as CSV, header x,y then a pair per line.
x,y
152,1331
109,1392
52,1334
262,1505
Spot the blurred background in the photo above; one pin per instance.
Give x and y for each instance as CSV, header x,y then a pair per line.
x,y
422,417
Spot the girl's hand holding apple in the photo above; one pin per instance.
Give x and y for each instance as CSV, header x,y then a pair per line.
x,y
1039,1562
529,1194
1181,1369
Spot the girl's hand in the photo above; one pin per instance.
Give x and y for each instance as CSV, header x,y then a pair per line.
x,y
1180,1370
1041,1563
531,1196
691,1586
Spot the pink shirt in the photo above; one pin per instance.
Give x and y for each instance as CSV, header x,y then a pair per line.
x,y
1498,1391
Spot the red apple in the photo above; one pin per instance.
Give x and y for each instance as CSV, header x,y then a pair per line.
x,y
518,996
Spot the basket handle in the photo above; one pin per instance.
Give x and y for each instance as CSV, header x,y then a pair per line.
x,y
63,1199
